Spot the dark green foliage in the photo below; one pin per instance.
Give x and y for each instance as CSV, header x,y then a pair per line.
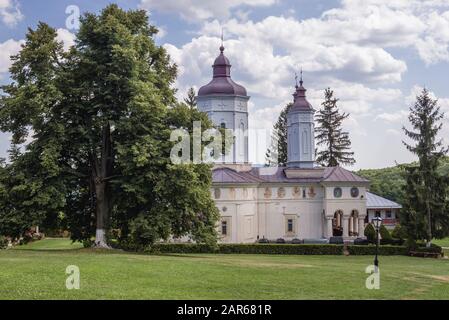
x,y
399,232
370,233
333,143
432,249
277,152
190,100
384,233
384,250
386,182
100,118
248,248
298,249
390,182
425,214
3,242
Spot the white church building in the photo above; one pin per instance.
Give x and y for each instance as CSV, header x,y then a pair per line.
x,y
299,201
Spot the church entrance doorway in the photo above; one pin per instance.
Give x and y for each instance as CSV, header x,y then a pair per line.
x,y
337,225
353,226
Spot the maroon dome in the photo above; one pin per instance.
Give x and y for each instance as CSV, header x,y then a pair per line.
x,y
300,102
221,82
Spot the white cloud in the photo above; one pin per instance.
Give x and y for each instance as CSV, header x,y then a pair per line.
x,y
393,117
8,48
199,10
10,12
66,37
350,48
393,132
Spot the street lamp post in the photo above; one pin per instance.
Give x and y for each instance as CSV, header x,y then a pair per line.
x,y
377,223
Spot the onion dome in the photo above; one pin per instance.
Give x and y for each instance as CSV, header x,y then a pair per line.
x,y
300,102
221,82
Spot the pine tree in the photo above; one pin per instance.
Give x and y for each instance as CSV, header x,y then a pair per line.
x,y
190,100
277,152
425,212
335,143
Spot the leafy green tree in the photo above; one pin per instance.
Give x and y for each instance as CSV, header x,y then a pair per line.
x,y
334,142
277,152
99,117
425,213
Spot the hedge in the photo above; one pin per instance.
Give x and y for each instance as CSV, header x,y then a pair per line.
x,y
433,249
384,250
288,249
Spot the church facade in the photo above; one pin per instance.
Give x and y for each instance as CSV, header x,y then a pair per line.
x,y
298,201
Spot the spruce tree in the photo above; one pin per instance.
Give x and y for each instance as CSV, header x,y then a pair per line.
x,y
334,142
277,152
190,100
425,213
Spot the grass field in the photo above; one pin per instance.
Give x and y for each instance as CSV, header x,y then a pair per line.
x,y
37,271
442,242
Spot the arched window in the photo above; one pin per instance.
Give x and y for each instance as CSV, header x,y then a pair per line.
x,y
305,142
242,139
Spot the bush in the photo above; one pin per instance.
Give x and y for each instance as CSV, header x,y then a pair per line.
x,y
432,249
142,233
3,242
384,233
399,232
395,242
370,233
387,250
272,248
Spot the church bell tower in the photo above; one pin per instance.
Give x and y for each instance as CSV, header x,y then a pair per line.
x,y
226,104
300,131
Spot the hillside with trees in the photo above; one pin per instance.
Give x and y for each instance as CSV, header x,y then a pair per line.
x,y
390,182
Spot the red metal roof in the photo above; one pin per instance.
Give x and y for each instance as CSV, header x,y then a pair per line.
x,y
277,174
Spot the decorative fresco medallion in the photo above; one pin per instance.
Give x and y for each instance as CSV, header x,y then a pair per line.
x,y
217,193
296,192
281,192
267,193
231,193
312,193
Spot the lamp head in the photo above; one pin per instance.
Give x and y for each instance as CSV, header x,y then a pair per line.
x,y
377,222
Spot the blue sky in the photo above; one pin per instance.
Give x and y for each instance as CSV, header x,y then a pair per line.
x,y
375,54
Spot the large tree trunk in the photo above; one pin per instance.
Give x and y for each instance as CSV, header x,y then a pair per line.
x,y
429,224
103,171
102,211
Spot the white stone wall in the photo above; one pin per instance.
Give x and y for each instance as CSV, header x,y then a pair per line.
x,y
301,139
263,210
233,112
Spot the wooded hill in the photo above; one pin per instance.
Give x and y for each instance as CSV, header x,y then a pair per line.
x,y
389,182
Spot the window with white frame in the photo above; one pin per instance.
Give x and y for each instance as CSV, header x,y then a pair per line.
x,y
290,225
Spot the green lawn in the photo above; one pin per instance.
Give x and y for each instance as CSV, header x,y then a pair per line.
x,y
37,271
442,242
